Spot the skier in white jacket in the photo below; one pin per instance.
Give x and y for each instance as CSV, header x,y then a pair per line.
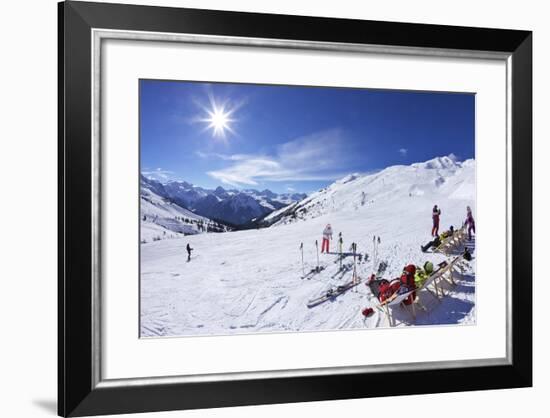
x,y
327,236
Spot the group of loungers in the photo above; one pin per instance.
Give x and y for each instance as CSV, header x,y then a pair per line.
x,y
403,291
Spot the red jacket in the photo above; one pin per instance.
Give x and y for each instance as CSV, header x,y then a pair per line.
x,y
407,279
388,289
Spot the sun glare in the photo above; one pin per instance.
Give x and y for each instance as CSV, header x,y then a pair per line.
x,y
219,119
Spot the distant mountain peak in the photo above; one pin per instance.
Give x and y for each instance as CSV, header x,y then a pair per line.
x,y
268,193
446,162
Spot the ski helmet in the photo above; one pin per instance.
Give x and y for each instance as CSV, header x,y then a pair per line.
x,y
428,267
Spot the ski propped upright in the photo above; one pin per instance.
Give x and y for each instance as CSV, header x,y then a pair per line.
x,y
333,293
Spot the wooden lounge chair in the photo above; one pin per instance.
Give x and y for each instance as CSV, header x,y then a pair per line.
x,y
445,273
452,242
394,301
456,264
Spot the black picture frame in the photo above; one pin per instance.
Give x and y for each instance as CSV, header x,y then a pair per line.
x,y
78,394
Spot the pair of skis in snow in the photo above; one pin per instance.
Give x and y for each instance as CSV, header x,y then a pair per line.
x,y
315,270
334,292
312,272
342,271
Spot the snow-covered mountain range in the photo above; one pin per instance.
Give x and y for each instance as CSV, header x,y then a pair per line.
x,y
179,199
231,206
161,218
251,280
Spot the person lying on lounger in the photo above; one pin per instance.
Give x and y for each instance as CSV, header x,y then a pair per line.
x,y
436,242
385,290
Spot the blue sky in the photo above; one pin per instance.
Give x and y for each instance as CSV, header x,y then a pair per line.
x,y
288,138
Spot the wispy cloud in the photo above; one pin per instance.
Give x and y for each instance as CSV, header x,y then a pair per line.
x,y
320,156
158,174
403,151
214,155
248,172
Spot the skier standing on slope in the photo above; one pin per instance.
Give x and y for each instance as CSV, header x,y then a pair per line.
x,y
470,223
189,249
436,213
327,236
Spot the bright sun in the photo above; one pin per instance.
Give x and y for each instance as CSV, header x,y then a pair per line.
x,y
218,119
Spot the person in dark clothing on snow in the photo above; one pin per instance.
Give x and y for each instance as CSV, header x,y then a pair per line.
x,y
436,242
189,249
436,213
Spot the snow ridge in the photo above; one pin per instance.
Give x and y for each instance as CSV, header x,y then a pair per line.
x,y
441,176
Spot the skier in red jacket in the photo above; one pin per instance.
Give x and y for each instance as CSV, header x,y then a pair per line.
x,y
436,213
327,236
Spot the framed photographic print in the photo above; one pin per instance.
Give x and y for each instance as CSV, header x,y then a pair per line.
x,y
263,208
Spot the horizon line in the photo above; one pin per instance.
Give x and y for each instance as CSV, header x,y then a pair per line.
x,y
146,174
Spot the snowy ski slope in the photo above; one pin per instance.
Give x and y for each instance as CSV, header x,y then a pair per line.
x,y
251,281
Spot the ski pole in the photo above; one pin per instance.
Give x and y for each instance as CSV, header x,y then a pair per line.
x,y
340,245
377,248
302,251
317,248
374,254
341,256
354,247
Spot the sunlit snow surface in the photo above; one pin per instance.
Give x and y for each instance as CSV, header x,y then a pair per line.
x,y
251,281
